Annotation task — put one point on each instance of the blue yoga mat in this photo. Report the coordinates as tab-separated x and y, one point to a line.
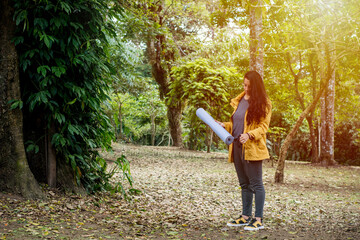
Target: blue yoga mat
219	130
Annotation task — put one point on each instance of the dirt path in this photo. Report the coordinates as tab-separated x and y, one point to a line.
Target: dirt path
191	195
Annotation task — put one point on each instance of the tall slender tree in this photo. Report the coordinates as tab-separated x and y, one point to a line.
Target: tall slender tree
327	123
256	42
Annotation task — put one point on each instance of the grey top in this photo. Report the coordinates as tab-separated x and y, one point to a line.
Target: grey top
239	117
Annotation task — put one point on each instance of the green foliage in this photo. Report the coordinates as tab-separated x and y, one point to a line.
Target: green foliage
120	173
295	35
16	104
227	11
275	136
128	59
201	86
347	143
134	116
122	169
32	146
65	75
224	49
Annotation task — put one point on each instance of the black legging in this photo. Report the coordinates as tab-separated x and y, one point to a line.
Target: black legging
250	178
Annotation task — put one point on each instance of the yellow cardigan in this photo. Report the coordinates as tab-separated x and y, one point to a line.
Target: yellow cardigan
255	148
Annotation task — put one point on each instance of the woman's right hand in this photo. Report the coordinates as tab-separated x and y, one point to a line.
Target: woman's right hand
220	123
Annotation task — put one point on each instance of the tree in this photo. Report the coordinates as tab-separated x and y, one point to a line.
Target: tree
279	174
327	123
160	56
256	42
142	116
153	107
299	97
65	75
327	48
131	75
164	26
199	85
249	15
288	41
15	174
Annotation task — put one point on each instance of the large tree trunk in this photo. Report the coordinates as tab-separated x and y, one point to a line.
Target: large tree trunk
327	124
256	42
174	114
15	174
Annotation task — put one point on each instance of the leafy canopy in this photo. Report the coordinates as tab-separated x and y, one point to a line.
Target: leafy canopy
65	75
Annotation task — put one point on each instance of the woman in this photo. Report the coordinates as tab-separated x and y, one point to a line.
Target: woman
249	124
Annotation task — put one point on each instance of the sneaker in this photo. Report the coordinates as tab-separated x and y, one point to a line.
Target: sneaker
254	225
241	221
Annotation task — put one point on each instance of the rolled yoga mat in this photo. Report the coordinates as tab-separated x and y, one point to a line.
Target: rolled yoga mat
219	130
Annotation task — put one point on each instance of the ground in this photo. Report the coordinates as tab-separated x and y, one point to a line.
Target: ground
191	195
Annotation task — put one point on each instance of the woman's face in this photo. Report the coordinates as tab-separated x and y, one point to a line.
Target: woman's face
246	86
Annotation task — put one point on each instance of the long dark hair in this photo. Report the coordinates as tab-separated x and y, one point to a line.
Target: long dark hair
258	102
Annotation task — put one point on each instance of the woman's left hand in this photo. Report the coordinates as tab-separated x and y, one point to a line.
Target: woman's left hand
243	138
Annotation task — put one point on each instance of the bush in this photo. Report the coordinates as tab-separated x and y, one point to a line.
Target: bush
347	143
